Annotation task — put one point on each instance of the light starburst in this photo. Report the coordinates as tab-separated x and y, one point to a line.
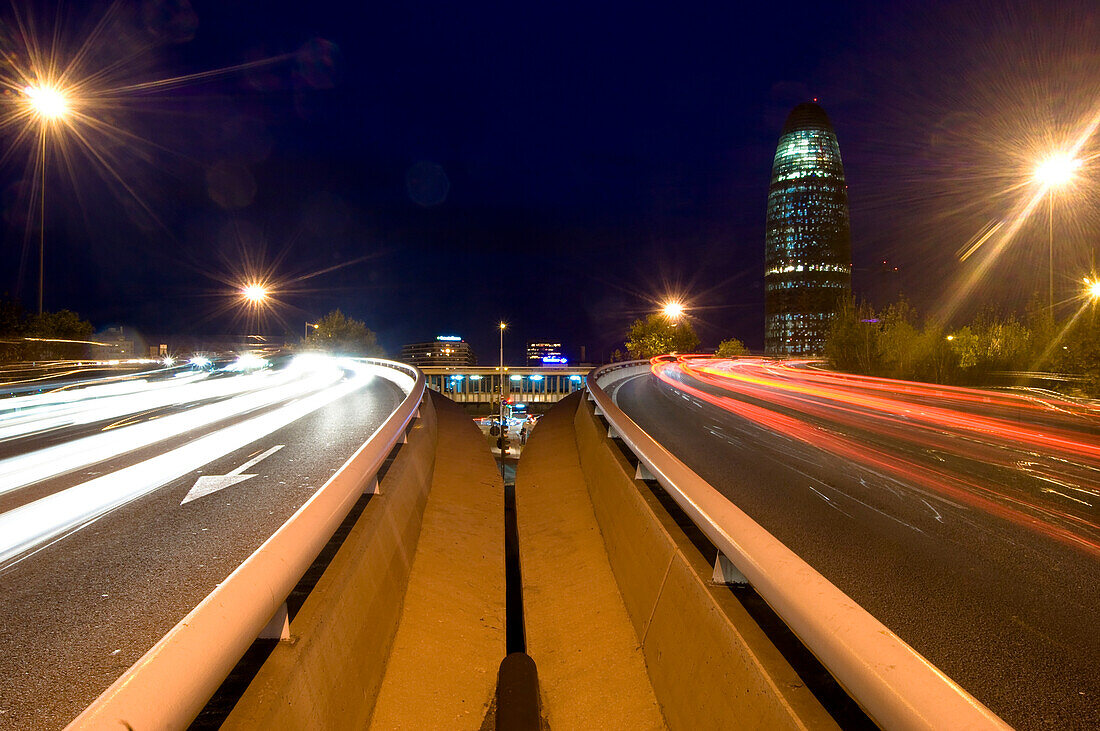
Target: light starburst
69	97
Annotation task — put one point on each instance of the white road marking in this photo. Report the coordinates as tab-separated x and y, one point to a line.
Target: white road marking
207	484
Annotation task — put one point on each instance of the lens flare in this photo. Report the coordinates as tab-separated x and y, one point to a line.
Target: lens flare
254	293
47	102
673	310
1057	170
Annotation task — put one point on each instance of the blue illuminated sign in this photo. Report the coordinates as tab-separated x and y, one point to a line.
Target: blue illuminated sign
560	359
449	338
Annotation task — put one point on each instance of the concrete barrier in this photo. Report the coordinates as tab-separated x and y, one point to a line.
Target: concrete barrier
710	664
329	673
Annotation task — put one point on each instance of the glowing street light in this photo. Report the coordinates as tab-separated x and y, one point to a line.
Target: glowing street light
1054	171
673	310
1057	170
254	294
47	102
1092	288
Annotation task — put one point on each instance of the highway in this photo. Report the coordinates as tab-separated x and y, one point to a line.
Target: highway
967	521
124	501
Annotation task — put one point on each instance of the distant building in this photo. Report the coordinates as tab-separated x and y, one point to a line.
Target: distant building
113	344
545	353
445	350
807	247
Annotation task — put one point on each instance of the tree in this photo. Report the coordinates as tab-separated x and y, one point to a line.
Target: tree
337	333
936	361
853	341
991	345
899	340
63	325
11	329
62	335
657	335
11	316
731	348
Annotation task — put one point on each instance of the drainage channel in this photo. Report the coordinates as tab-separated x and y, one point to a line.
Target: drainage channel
518	706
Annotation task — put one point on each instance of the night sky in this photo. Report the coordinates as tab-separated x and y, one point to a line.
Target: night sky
433	168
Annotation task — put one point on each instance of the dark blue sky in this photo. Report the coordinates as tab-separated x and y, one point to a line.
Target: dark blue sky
561	167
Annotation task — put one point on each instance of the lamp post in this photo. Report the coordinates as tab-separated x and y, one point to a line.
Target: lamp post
48	104
502	326
309	325
1055	171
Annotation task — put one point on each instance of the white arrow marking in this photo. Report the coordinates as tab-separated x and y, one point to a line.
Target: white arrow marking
212	483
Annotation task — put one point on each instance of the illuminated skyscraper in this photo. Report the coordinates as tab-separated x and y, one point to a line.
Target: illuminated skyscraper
808	247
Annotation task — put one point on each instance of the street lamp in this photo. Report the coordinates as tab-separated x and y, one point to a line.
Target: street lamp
1092	288
1055	171
47	104
673	310
502	326
254	294
309	325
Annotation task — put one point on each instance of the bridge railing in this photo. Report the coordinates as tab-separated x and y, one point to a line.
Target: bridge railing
172	682
896	686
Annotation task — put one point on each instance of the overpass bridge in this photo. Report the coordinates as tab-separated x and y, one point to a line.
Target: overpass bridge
536	388
609	585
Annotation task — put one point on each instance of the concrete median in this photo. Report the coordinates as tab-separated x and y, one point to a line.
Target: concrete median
709	663
329	673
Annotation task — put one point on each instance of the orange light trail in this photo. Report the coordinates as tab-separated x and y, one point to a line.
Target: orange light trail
815	403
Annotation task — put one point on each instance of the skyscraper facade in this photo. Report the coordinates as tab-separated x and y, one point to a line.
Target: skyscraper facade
807	247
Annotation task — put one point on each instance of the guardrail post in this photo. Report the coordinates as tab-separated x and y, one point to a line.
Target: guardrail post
612	432
643	473
726	573
372	487
279	626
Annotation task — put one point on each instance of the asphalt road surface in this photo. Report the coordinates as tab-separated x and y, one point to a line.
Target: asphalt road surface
110	565
967	522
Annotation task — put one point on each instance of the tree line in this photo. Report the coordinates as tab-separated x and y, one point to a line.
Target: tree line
992	349
658	334
40	336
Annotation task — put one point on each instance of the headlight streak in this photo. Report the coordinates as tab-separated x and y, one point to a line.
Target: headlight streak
112	401
26	527
90	391
23	470
834	399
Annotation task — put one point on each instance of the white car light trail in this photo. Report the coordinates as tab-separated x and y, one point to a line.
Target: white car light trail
17	472
31	525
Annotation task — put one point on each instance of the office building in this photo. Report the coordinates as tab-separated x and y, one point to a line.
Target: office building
445	350
545	353
807	249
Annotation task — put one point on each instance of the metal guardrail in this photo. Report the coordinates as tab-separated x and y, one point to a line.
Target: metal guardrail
896	686
171	683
